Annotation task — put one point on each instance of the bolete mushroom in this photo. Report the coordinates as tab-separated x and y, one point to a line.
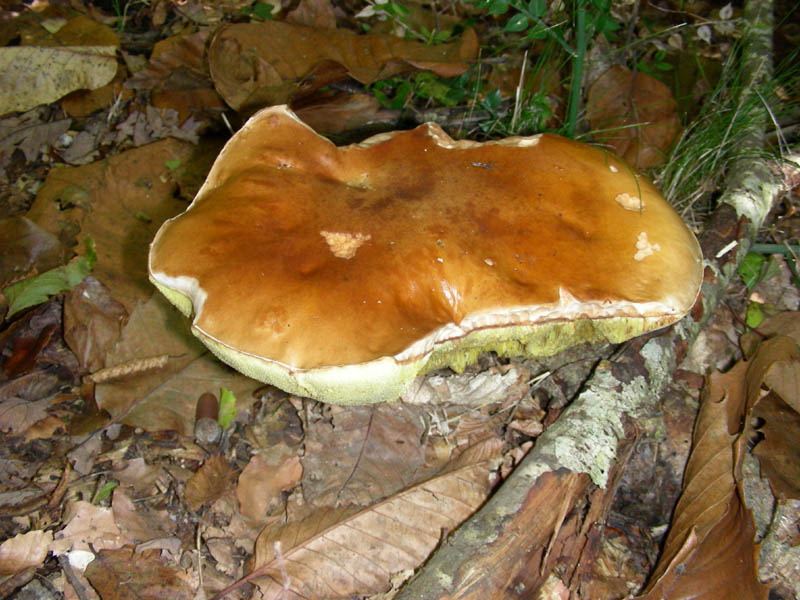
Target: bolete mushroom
342	273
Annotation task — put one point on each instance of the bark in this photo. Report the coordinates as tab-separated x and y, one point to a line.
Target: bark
564	485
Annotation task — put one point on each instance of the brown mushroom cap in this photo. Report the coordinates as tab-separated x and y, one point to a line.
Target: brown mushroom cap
342	273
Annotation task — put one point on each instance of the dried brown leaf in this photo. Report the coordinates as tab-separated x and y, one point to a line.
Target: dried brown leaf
175	64
261	483
33	135
258	64
87	524
31	76
93	322
783	378
81	31
344	552
721	563
778	350
178	77
635	114
17	415
137	476
313	13
776	366
125	574
210	482
165	398
27	248
140	523
119	202
362	453
44	428
343	112
785	323
24	550
779	452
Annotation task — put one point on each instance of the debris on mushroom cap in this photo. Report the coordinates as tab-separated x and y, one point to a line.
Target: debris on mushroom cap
343	273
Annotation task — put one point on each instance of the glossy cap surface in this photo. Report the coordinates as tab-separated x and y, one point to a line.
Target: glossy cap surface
300	259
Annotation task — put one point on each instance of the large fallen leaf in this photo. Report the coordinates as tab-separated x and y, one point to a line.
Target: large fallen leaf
165	398
709	552
348	552
785	323
635	114
77	31
30	76
119	202
343	112
258	64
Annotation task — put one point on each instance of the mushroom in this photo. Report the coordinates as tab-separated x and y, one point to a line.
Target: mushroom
342	273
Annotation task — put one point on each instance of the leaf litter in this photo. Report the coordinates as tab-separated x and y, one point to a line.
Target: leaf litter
329	502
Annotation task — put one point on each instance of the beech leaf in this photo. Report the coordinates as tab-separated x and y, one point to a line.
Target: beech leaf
349	551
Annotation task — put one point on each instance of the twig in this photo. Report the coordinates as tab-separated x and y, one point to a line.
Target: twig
76	583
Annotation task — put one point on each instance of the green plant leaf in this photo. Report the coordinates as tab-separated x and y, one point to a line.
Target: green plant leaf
518	22
754	315
498	7
537	8
104	492
260	10
493	98
750	269
40	288
227	408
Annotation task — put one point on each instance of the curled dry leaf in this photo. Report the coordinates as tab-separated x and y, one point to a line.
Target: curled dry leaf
258	64
347	552
635	114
